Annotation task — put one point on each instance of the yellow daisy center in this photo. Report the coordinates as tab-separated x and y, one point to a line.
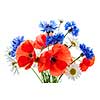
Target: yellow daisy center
73	43
73	71
13	63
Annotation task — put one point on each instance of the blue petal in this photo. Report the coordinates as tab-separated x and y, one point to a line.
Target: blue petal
48	27
87	51
72	25
15	43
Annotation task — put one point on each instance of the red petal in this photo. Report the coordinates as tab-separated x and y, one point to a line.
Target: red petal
36	45
40	41
27	46
92	61
20	52
23	61
56	48
44	61
29	65
42	67
61	65
88	62
58	68
62	53
83	67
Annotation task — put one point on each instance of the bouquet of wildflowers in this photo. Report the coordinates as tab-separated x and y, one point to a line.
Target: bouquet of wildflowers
49	56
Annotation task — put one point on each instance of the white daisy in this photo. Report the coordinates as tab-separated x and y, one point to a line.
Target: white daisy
73	71
73	42
12	62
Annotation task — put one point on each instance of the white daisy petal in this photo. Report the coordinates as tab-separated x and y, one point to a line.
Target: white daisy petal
74	41
73	72
11	62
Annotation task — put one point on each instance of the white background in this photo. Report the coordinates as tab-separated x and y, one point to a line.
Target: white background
21	17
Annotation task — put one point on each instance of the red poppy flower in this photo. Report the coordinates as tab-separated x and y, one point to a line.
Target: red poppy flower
86	63
83	67
40	41
25	54
56	60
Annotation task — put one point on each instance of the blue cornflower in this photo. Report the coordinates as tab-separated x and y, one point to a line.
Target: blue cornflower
87	51
48	27
57	38
71	27
15	43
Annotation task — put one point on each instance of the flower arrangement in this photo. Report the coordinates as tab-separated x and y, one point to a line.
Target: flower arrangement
49	56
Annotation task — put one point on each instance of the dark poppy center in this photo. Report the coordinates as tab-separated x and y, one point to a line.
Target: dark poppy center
30	55
53	59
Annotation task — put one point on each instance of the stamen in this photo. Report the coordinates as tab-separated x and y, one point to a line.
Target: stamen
73	43
30	55
53	59
73	71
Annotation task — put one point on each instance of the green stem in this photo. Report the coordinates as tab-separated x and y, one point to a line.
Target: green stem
54	79
72	63
48	47
60	22
36	75
60	77
59	26
46	77
42	76
70	46
66	34
76	59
